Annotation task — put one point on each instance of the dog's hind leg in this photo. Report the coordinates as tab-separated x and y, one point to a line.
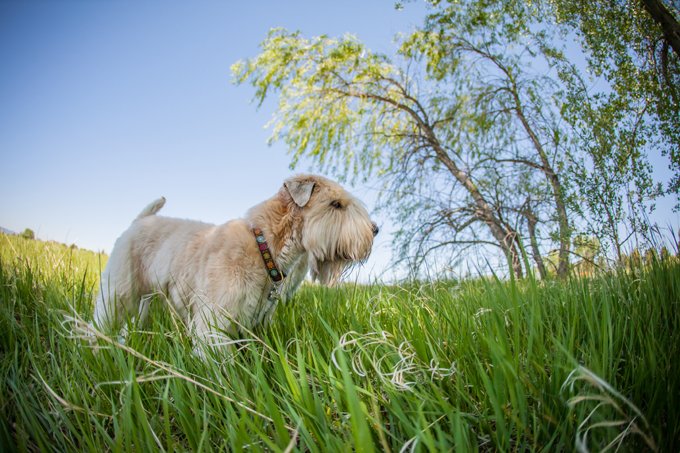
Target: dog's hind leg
118	296
109	309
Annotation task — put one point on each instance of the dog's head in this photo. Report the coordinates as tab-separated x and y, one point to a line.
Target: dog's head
336	230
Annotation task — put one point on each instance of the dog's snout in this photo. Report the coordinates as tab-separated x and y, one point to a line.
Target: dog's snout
375	229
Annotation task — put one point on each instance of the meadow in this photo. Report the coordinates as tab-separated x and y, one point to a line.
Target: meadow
587	364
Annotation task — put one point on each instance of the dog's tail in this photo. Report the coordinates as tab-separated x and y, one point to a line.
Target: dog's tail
152	208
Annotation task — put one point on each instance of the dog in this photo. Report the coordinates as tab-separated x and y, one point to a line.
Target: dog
222	280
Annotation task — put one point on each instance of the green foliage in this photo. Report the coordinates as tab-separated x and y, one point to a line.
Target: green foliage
622	44
333	94
435	142
474	365
626	45
601	136
483	116
28	234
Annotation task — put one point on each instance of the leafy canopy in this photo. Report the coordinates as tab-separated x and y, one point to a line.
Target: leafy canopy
333	95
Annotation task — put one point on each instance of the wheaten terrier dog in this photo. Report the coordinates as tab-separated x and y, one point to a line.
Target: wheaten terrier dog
224	279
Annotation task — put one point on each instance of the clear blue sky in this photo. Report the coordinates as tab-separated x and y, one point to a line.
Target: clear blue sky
106	105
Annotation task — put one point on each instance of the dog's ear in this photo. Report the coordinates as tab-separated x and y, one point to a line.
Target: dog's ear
300	190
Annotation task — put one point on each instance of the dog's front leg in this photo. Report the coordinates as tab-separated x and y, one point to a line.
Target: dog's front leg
212	329
110	306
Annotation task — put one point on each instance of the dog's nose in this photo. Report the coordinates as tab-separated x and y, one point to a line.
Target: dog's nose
375	229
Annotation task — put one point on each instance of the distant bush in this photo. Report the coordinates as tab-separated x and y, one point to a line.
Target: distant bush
28	234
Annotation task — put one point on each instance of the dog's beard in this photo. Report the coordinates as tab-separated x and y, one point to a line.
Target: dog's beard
329	272
335	244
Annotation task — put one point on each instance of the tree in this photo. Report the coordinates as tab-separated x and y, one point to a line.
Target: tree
611	169
28	234
480	130
611	130
339	103
635	46
667	21
586	248
354	111
508	100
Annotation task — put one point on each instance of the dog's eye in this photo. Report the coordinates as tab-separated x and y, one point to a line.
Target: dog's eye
336	204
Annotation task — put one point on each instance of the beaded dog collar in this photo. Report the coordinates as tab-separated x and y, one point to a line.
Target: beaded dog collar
274	273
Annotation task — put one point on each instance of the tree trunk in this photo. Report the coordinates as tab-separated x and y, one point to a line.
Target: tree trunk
536	252
667	22
546	168
554	181
505	236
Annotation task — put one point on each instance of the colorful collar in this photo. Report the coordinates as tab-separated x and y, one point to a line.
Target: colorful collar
274	273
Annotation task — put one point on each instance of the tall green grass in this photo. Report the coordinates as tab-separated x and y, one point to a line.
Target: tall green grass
478	365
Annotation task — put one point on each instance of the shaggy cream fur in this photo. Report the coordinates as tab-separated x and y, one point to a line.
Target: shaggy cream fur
213	275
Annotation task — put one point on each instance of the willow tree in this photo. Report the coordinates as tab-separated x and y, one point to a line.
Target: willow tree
480	129
594	137
450	147
355	113
510	101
